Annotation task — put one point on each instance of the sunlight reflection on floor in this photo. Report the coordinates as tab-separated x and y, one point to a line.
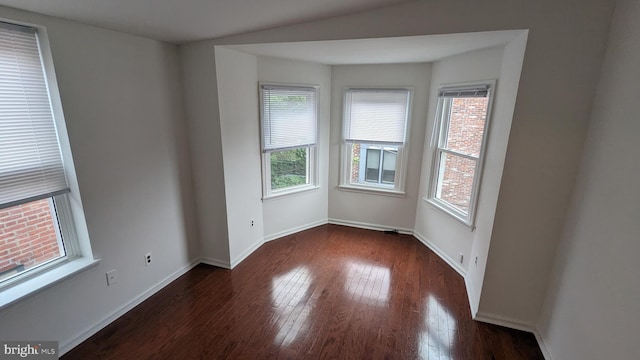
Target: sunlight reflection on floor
289	295
368	283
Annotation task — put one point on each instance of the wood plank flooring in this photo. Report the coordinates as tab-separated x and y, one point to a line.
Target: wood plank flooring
331	292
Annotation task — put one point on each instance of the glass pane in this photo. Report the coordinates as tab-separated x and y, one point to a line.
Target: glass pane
455	181
466	125
28	237
389	166
289	168
367	167
373	165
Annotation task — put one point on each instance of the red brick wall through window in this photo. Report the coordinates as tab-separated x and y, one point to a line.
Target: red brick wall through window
27	236
466	129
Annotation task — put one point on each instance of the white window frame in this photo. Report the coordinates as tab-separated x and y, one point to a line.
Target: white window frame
312	150
68	206
439	137
346	150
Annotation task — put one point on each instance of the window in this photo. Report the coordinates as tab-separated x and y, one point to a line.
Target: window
462	121
37	230
375	123
289	138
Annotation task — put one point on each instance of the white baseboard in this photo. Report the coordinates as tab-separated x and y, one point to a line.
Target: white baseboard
294	230
215	262
363	225
451	262
246	253
67	345
471	296
543	345
515	324
455	265
503	321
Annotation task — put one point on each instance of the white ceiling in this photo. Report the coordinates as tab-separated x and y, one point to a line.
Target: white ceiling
407	49
185	20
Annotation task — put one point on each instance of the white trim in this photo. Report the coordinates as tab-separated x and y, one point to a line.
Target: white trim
542	345
372	190
515	324
44	278
313	162
447	209
403	152
215	262
471	296
451	262
67	345
369	226
438	138
290	191
294	230
503	321
246	253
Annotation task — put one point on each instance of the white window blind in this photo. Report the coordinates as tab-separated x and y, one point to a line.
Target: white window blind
289	117
464	91
376	116
30	160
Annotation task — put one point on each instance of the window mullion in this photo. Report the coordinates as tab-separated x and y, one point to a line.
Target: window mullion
380	166
461	127
455	153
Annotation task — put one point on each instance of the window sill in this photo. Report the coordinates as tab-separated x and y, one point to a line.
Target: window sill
289	192
372	190
455	216
28	287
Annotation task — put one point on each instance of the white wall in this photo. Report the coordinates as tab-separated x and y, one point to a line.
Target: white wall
124	118
592	307
237	75
503	107
431	224
221	97
200	96
120	96
286	214
382	210
562	61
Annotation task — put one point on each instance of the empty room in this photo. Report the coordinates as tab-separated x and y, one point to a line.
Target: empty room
382	179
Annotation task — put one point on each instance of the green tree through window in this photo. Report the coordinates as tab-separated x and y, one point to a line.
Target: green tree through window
288	168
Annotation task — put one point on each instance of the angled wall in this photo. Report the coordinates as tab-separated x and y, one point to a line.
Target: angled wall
563	57
237	81
290	213
200	93
433	226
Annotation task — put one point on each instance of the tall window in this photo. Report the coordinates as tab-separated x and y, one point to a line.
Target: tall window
461	125
289	122
34	206
375	125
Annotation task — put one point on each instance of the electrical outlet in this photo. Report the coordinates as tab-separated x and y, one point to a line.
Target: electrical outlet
147	259
112	277
252	222
476	260
460	257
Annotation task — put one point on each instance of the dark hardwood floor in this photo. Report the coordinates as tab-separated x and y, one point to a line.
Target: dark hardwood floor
331	292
